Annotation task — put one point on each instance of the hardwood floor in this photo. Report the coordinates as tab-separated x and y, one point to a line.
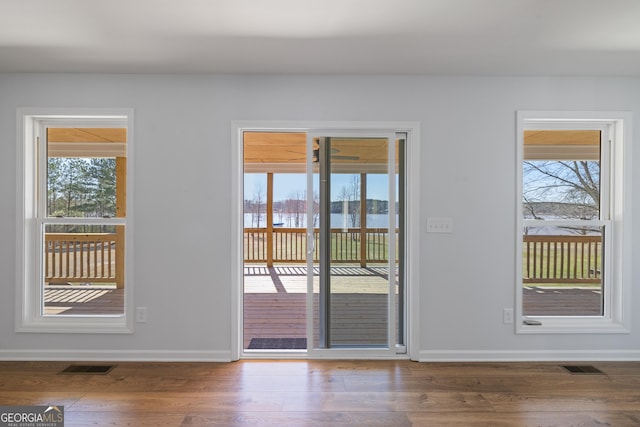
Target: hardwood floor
330	393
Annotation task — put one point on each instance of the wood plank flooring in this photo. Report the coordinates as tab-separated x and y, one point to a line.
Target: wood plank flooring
282	281
274	302
549	301
330	393
356	318
83	300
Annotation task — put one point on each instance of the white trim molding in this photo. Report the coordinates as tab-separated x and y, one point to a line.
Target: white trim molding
81	355
616	216
29	290
529	355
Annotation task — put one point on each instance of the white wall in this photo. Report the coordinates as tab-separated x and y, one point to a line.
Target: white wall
182	235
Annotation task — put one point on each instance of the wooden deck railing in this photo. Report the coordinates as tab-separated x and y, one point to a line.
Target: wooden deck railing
76	257
95	257
290	245
561	259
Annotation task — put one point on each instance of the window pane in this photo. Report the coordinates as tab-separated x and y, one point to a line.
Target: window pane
81	187
82	269
561	189
562	270
255	203
562	265
290	200
561	174
345	201
86	172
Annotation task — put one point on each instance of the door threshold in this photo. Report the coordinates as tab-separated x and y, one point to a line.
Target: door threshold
274	354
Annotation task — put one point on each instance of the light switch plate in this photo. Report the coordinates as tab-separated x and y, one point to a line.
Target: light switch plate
440	225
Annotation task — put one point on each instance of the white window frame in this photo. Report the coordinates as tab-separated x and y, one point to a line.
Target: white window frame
615	217
30	217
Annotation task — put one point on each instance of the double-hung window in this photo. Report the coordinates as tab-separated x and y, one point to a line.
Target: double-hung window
73	221
573	254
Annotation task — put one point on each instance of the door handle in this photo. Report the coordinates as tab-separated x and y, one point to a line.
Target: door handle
311	243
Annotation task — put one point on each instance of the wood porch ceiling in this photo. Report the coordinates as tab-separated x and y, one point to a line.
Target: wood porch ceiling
87	142
286	152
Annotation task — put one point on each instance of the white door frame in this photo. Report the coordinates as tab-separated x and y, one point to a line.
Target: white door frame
412	228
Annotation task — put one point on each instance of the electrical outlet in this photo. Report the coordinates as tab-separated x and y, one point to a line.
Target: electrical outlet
141	314
507	316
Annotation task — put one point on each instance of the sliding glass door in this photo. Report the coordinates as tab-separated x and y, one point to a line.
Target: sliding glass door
323	243
354	295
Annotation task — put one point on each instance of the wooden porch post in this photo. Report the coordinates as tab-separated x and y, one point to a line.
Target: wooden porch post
270	219
121	212
363	220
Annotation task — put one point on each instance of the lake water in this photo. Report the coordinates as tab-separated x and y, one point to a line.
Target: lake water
337	220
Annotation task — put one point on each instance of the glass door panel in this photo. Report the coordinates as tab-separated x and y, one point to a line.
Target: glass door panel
275	244
354	291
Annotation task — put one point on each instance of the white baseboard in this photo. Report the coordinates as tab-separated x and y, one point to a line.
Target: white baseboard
527	355
116	355
225	356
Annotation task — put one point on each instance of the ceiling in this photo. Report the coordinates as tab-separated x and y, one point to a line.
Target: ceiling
452	37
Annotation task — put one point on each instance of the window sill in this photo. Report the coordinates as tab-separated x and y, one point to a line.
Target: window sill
76	325
572	325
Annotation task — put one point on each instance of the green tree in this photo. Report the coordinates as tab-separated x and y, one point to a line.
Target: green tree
102	184
81	187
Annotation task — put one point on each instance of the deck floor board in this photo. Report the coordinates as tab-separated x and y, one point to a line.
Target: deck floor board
274	303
